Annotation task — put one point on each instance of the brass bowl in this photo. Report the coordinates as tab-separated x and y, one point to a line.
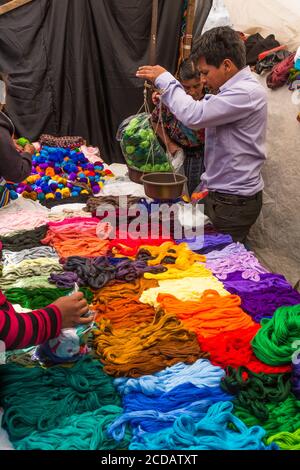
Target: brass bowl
164	186
135	175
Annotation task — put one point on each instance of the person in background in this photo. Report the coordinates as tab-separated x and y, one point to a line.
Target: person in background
177	136
15	162
235	122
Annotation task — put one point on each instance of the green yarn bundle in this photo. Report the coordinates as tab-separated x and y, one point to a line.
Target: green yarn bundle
282	417
256	390
22	141
273	343
31	282
286	440
40	298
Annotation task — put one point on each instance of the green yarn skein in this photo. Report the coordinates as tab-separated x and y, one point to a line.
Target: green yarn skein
286	440
274	343
22	141
40	298
255	391
282	417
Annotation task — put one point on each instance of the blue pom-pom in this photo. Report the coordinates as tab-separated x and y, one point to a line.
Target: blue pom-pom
45	188
13	195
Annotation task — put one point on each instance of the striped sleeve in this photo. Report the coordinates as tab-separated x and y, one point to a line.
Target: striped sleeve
22	330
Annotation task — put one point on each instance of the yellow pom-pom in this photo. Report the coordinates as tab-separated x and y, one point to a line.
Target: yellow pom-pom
50	196
26	194
32	179
62	180
65	192
84	191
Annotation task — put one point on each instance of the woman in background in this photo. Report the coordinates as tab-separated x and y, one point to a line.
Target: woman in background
175	135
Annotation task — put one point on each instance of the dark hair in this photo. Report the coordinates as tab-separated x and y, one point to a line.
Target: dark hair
219	44
187	70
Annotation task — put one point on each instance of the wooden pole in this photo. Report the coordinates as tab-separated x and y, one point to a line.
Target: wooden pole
188	37
153	41
12	5
153	48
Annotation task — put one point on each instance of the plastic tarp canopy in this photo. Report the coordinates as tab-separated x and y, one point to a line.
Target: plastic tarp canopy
281	17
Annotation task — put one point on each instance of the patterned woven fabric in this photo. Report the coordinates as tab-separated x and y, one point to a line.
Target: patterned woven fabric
64	141
4	193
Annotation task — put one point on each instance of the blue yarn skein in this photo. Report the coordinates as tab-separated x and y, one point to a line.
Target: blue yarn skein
219	429
153	402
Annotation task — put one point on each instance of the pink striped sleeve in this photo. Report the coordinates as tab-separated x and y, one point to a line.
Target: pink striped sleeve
21	330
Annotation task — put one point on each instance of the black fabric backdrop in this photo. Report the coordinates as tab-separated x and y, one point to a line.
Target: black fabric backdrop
72	64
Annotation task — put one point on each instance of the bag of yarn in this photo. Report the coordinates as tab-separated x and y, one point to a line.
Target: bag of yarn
140	146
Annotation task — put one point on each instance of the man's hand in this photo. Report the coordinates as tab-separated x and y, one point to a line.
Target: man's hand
149	72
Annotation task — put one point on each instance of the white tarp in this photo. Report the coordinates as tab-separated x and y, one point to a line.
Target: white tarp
276	236
281	17
218	16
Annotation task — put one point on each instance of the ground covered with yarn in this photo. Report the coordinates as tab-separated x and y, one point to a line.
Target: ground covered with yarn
194	346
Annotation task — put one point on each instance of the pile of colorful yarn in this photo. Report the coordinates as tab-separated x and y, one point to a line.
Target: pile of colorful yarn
59	173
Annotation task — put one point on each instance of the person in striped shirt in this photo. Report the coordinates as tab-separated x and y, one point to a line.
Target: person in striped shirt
22	330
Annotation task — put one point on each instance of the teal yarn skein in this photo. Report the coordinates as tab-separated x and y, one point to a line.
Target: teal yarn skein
86	431
219	429
38	399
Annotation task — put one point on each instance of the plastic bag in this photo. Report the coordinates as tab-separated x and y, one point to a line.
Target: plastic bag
140	146
177	162
69	346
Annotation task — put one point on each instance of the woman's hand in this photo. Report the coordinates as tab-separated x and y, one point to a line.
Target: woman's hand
156	98
29	149
18	147
173	148
149	72
72	308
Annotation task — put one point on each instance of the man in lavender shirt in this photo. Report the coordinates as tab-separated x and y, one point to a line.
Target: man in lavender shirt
235	118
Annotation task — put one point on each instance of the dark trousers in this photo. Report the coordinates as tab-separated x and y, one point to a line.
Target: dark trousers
193	166
232	214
